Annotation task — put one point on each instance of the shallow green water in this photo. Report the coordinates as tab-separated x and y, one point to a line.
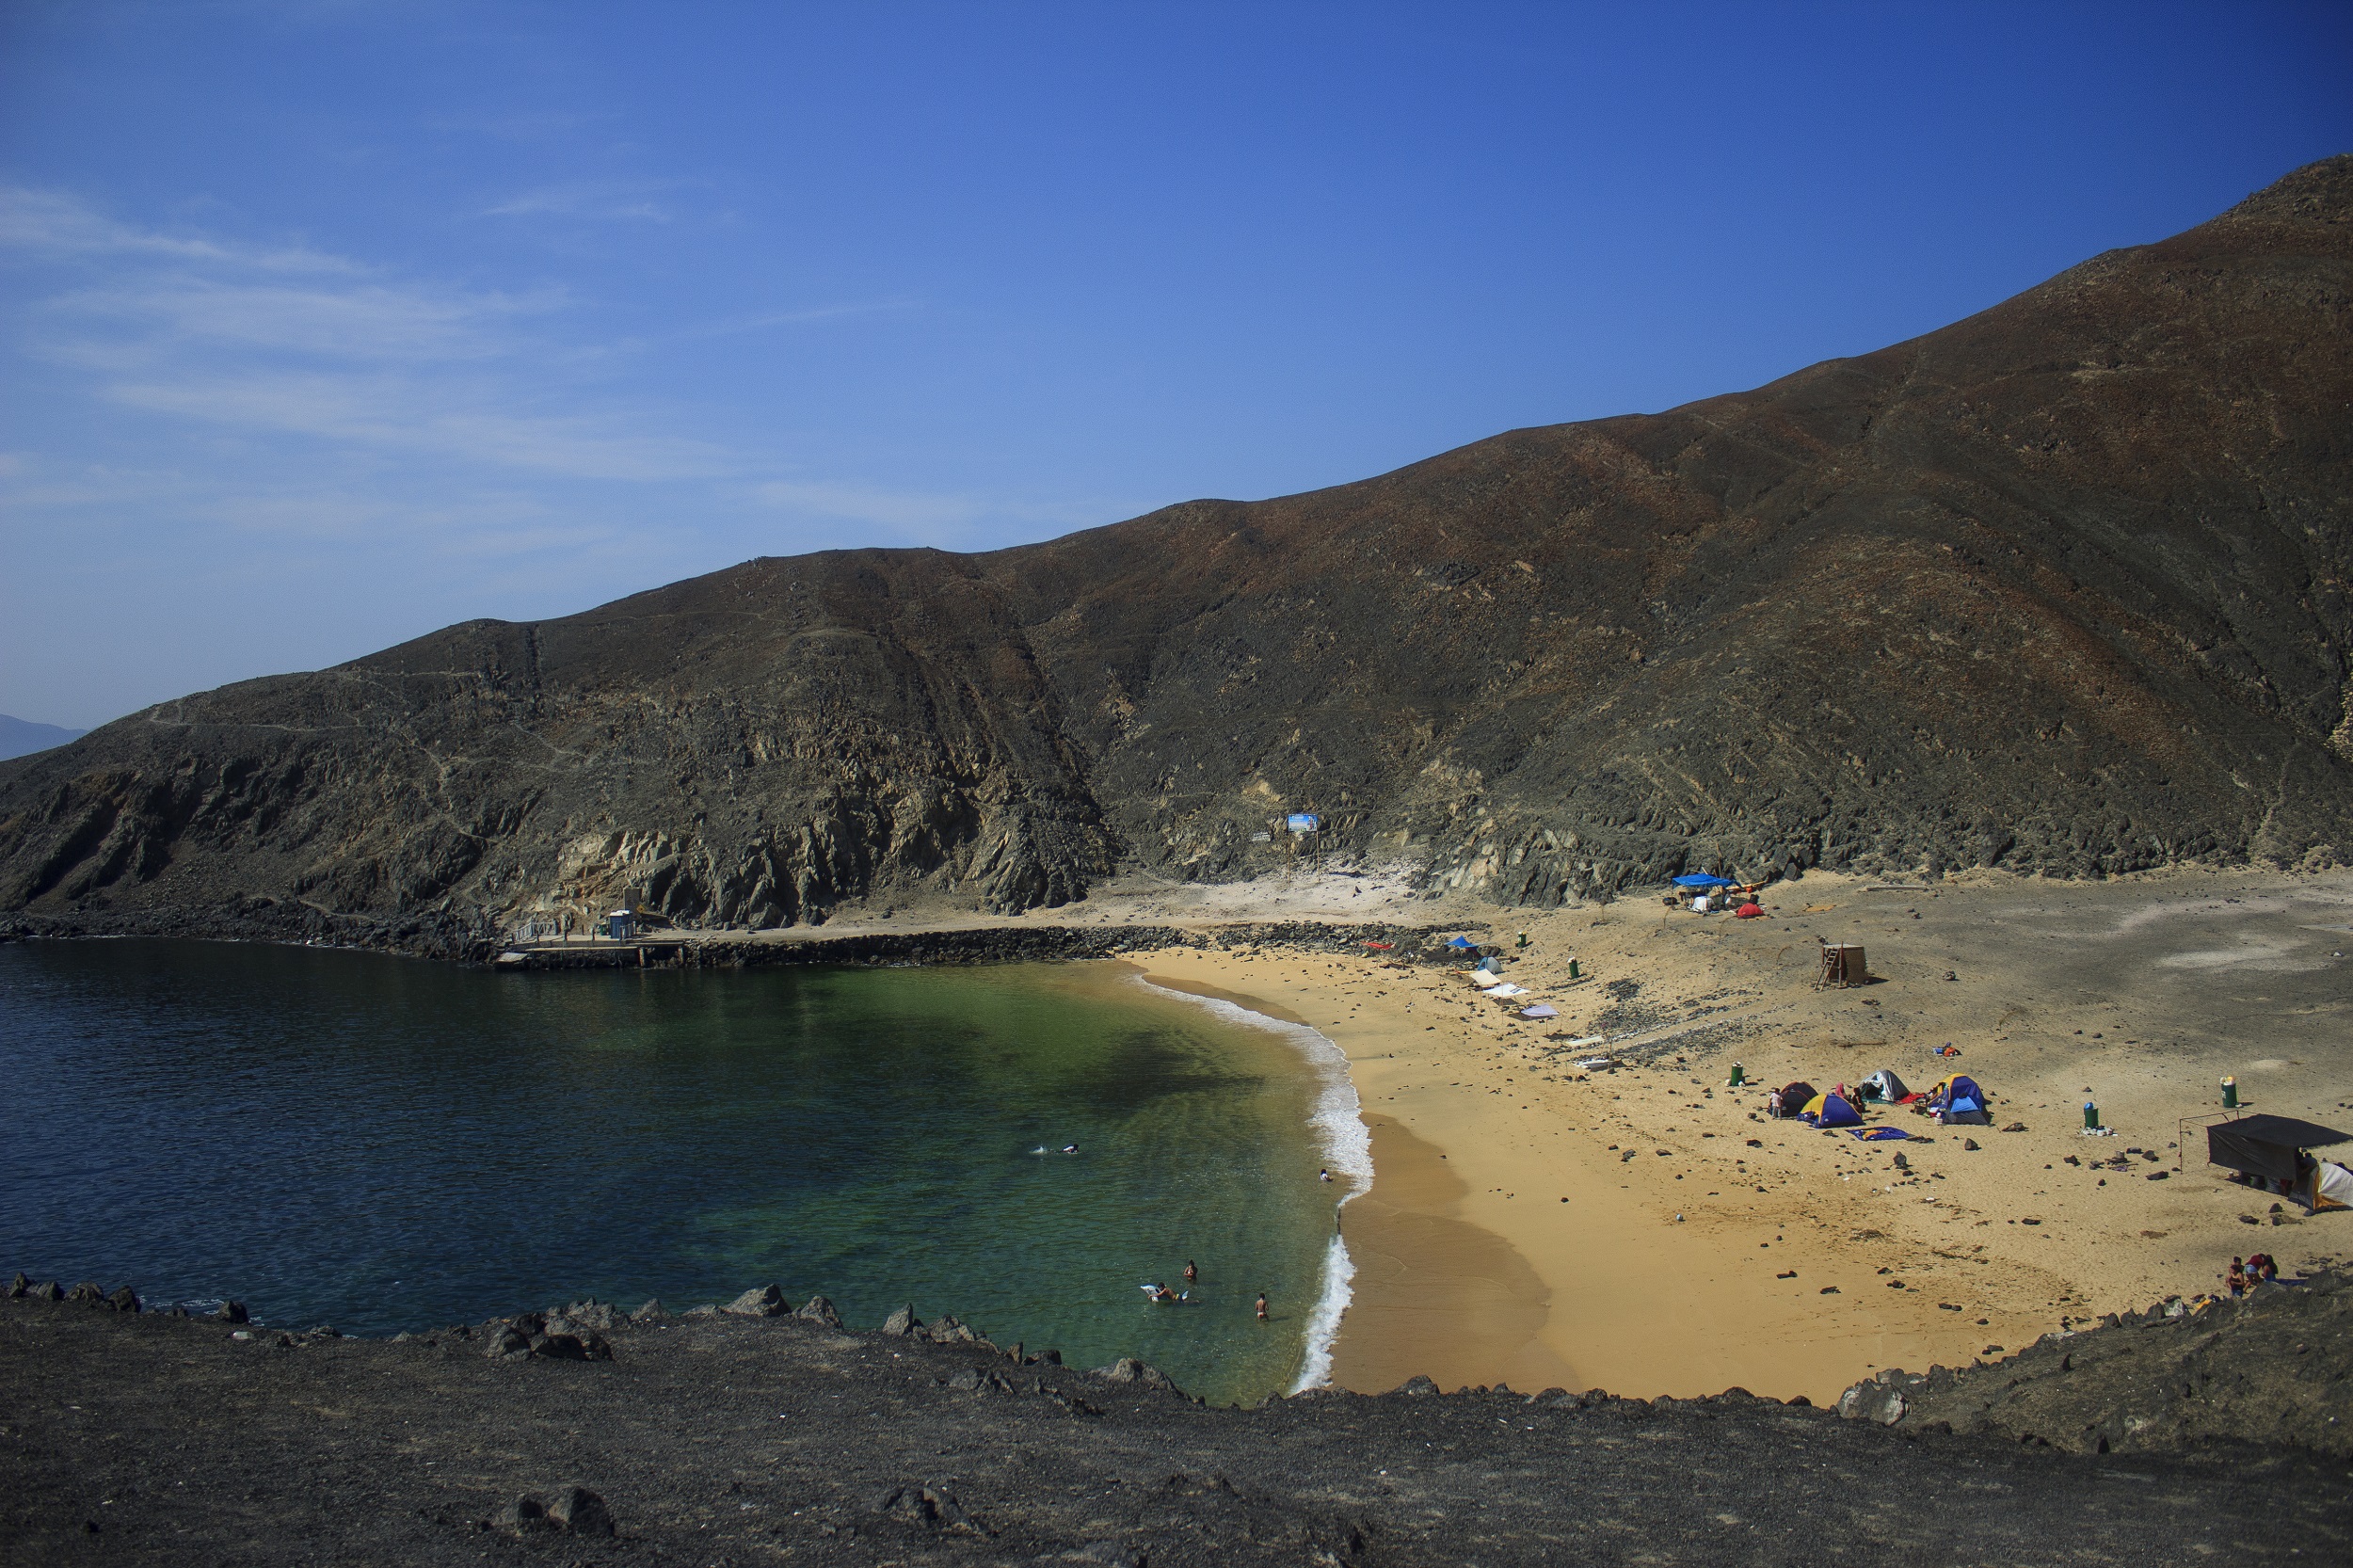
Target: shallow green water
383	1143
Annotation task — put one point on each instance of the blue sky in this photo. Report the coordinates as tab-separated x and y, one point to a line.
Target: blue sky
327	323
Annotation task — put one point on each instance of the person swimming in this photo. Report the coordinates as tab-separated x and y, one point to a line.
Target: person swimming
1262	1306
1070	1148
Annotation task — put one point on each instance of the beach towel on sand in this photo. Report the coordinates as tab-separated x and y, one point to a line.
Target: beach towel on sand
1880	1135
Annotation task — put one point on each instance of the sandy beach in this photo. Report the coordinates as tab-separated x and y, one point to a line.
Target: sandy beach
1645	1229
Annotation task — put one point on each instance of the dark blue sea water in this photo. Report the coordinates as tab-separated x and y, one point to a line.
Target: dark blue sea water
383	1143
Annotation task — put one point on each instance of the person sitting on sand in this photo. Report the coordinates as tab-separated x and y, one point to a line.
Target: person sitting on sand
1262	1306
2237	1277
2262	1269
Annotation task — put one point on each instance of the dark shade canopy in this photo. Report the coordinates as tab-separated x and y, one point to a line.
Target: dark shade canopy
2266	1145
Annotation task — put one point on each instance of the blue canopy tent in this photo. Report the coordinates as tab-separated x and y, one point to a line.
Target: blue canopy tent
1460	942
1703	879
1959	1099
1832	1109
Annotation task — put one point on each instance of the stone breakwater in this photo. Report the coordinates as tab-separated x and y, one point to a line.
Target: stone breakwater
980	945
751	1430
270	920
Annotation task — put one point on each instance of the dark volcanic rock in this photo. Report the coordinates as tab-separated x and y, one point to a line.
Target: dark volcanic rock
727	1441
2061	588
2275	1367
765	1301
580	1510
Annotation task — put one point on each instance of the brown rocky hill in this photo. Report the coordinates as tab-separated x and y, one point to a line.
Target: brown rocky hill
2063	587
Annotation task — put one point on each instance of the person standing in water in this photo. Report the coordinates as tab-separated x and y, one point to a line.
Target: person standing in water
1192	1275
1262	1306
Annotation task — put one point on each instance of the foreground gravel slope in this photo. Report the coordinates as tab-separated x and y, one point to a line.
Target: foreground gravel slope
716	1440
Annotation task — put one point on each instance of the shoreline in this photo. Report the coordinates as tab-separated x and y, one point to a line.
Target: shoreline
1797	1263
1339	1118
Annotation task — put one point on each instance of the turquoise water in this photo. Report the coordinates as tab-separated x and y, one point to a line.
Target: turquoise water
382	1143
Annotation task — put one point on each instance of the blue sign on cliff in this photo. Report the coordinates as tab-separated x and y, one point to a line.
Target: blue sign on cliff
1305	822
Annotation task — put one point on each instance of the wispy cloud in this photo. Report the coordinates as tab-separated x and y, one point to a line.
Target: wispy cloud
360	321
593	201
48	222
477	424
215	332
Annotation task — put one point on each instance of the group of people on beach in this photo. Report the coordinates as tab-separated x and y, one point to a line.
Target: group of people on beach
1168	1295
2246	1274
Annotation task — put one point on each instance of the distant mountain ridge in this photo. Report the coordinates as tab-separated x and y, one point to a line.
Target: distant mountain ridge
21	736
2061	588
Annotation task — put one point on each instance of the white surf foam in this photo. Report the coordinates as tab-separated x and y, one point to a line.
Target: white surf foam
1339	1120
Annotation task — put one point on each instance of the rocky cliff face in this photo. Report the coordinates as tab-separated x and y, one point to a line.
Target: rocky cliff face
2061	588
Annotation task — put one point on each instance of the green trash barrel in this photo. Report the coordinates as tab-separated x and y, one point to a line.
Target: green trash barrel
2092	1117
1737	1079
2230	1094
